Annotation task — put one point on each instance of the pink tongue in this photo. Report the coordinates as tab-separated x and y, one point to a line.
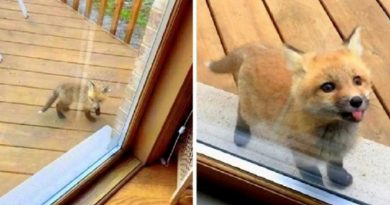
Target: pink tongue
358	115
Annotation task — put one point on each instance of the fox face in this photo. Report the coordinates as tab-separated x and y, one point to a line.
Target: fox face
96	96
334	84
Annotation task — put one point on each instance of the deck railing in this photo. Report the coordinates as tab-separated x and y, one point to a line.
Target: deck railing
116	15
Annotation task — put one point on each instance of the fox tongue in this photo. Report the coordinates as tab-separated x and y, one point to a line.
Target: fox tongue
358	115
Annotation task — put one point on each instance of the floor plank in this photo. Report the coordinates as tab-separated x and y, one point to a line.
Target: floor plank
10	180
376	36
40	137
243	22
71	56
66	69
210	48
38	97
28	115
40	9
56	30
47	19
152	185
66	43
25	161
50	82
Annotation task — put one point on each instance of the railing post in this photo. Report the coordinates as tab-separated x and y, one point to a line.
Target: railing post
76	4
88	8
102	10
134	16
116	16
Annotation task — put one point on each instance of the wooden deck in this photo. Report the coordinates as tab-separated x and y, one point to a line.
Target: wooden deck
54	45
307	25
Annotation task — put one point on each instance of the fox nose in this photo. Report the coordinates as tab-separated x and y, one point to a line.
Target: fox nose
356	101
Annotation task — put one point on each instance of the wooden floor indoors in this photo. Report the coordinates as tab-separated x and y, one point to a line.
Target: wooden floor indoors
154	184
55	44
306	25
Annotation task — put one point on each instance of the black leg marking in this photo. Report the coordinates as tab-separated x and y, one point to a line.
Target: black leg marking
338	175
242	132
89	116
308	169
59	110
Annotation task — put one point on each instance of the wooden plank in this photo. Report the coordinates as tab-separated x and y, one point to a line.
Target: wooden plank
28	115
25	161
66	69
43	29
210	48
49	20
117	176
40	137
56	3
385	4
116	16
40	9
156	179
66	43
133	20
71	56
376	36
38	97
45	81
102	9
10	180
242	22
315	36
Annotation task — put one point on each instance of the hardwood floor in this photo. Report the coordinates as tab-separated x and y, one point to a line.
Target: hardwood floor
152	185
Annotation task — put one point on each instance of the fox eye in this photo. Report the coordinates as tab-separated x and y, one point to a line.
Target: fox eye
357	80
328	87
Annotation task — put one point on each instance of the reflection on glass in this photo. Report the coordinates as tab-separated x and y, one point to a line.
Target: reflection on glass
297	113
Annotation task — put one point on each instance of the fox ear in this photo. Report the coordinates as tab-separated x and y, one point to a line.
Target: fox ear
293	58
354	43
106	89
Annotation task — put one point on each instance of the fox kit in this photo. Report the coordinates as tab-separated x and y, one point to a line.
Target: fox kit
89	95
310	102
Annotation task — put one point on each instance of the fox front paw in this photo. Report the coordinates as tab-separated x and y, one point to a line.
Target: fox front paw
339	176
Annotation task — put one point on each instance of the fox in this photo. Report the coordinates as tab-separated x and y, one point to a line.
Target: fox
91	96
311	102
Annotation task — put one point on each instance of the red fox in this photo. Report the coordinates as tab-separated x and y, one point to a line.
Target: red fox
311	102
89	95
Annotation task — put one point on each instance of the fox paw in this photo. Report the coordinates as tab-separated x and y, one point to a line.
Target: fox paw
311	174
339	176
61	115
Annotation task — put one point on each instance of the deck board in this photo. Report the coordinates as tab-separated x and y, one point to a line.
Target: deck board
48	81
210	48
66	69
10	180
64	43
54	45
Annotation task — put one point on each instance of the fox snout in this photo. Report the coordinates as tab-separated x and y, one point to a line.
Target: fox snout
352	108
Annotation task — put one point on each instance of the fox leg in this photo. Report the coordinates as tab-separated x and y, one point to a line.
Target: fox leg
337	174
59	107
308	169
88	115
242	132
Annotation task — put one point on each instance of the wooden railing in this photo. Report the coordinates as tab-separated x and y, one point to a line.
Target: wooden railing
116	16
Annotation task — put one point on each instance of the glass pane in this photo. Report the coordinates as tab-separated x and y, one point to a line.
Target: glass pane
310	115
67	85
